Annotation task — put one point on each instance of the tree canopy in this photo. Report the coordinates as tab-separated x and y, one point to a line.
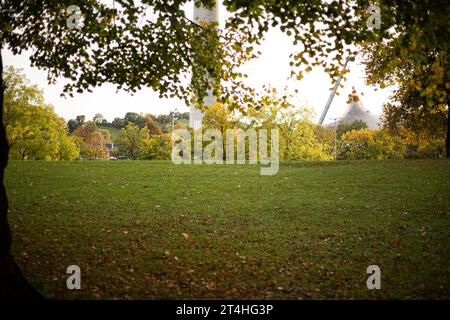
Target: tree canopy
34	130
413	55
152	43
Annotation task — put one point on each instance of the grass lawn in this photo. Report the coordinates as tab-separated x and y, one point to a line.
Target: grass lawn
151	229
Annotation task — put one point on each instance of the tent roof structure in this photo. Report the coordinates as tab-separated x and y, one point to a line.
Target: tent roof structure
356	111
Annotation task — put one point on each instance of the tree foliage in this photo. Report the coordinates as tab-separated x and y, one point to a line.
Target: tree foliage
346	127
91	141
33	129
218	116
99	119
412	53
298	135
138	143
134	118
74	124
371	144
152	125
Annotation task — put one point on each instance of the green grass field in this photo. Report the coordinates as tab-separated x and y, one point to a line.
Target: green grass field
149	229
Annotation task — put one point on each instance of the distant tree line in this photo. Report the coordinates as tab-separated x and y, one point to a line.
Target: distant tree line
356	141
140	136
156	124
35	131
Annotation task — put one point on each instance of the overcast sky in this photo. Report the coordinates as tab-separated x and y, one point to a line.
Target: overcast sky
271	68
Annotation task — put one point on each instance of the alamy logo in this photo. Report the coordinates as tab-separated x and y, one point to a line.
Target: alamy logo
213	152
74	280
374	281
374	21
74	19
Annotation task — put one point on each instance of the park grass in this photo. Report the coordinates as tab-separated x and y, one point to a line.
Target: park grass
154	230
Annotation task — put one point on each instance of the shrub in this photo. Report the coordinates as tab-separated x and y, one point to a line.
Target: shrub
371	144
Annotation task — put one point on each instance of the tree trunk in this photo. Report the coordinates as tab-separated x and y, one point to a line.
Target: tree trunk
447	140
13	284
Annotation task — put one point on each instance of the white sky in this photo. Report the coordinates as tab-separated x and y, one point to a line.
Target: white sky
272	68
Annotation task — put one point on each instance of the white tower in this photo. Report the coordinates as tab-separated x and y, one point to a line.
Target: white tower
203	15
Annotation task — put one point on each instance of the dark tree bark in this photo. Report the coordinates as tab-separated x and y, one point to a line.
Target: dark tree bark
447	139
13	284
